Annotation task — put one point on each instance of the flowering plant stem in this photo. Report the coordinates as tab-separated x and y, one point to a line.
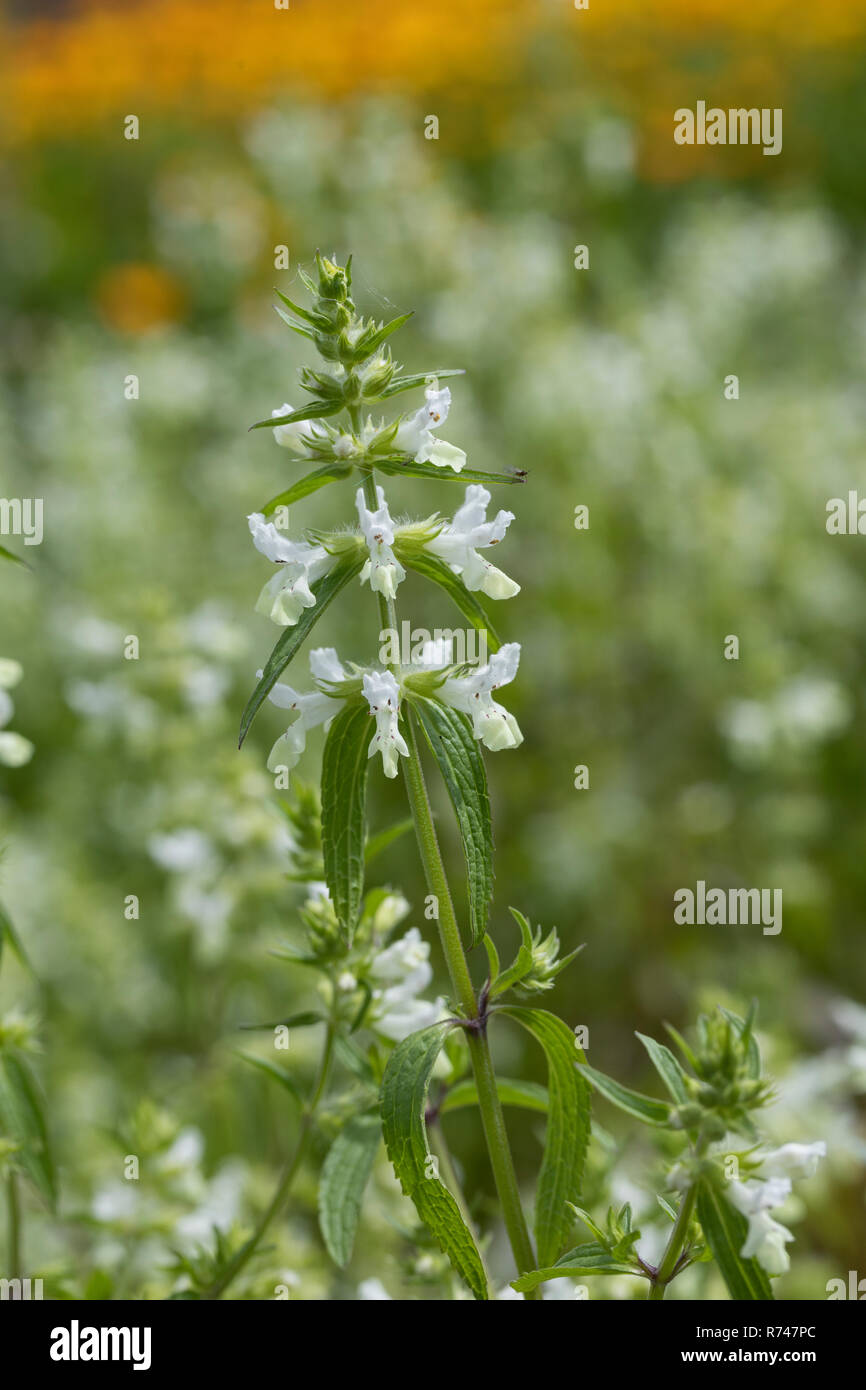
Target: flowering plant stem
674	1248
489	1104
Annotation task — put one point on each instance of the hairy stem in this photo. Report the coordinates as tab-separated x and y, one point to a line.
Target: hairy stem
490	1106
247	1250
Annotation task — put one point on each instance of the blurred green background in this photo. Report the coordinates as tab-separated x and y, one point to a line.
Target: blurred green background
155	258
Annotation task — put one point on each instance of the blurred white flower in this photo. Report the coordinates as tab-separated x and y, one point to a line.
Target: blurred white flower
183	850
793	1160
401	972
15	749
373	1291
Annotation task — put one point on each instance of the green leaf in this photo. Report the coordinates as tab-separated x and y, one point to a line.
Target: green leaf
667	1067
525	1094
435	569
744	1030
344	810
311	482
583	1260
406	383
23	1121
302	1020
652	1112
345	1174
378	843
568	1125
367	346
402	464
449	734
314	410
11	556
8	933
404	1101
725	1230
324	590
276	1073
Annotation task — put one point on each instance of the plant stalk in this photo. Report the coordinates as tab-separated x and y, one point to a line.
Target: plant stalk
489	1104
674	1247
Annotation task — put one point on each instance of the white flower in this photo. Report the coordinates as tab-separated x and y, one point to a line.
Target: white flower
460	539
383	569
404	970
309	710
284	597
294	436
15	749
373	1291
766	1238
383	696
473	694
183	850
415	436
794	1160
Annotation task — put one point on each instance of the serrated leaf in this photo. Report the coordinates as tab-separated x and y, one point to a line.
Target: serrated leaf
324	591
404	1101
313	410
667	1067
344	810
372	344
23	1121
652	1112
568	1126
467	603
412	379
345	1174
275	1072
583	1260
725	1230
449	735
399	464
527	1095
311	482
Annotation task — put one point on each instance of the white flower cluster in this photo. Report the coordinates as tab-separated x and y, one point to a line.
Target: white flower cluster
770	1188
457	542
492	725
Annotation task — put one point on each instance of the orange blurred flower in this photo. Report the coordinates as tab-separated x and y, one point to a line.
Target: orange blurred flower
137	298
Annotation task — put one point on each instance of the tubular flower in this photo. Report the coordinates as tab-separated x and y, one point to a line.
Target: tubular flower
766	1238
793	1160
284	597
383	569
297	436
383	696
415	434
308	710
473	694
399	974
460	539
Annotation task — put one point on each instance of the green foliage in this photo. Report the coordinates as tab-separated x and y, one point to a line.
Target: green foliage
345	1174
725	1231
344	808
568	1125
449	736
404	1099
